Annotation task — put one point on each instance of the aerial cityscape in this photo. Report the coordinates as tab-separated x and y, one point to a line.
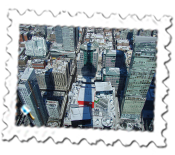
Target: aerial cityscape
86	77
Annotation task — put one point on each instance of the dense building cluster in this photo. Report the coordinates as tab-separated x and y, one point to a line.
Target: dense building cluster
86	77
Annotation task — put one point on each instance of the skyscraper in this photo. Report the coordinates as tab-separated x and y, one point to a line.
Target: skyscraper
30	95
58	34
36	47
141	72
59	75
68	36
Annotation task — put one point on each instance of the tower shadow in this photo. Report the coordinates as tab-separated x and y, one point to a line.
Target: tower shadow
88	73
120	63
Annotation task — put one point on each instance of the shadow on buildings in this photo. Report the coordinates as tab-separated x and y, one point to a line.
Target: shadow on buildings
19	115
88	72
29	36
48	43
120	63
148	109
130	38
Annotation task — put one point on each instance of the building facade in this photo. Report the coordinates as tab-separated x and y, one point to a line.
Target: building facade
44	78
58	34
80	62
49	31
36	47
112	75
109	58
141	72
59	74
53	110
68	36
30	95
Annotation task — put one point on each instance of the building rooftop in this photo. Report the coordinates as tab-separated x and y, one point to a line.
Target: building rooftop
122	40
42	71
123	47
37	61
23	57
36	47
21	49
50	27
100	36
56	47
52	93
27	73
104	111
86	93
52	104
57	66
111	53
139	39
103	86
93	46
111	71
80	113
61	52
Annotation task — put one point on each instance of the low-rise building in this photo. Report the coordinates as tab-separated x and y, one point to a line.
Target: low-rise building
38	64
109	58
22	60
99	108
53	109
58	97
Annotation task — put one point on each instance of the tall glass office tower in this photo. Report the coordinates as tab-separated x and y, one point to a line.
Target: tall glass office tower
30	95
68	36
141	72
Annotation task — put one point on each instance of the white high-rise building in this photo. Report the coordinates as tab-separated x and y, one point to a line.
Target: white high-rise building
36	47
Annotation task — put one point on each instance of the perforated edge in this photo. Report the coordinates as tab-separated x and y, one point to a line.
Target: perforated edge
169	82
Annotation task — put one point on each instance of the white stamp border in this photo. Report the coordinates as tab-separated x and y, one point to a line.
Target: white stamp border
109	137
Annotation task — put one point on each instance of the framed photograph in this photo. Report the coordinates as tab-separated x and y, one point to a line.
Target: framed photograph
87	73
